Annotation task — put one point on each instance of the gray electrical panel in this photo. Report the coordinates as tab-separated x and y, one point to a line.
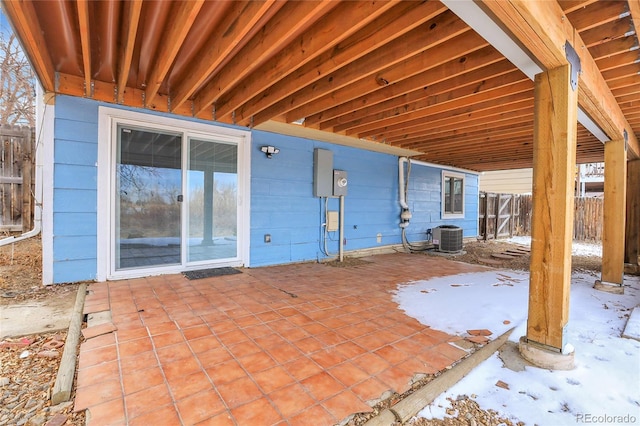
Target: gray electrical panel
339	183
322	173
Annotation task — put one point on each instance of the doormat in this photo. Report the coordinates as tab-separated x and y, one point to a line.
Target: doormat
207	273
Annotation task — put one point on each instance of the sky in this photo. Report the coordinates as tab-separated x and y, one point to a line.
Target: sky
604	386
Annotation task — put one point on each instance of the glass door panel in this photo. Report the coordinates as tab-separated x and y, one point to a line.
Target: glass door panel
212	194
148	190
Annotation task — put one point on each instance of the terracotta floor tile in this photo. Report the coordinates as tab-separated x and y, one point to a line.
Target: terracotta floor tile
371	342
167	339
284	353
137	380
370	390
314	416
291	400
108	413
257	330
98	373
269	341
435	359
244	348
226	372
222	419
181	368
258	412
204	344
345	404
165	415
214	357
450	351
415	365
437	334
425	339
409	346
308	345
97	356
269	316
322	386
239	392
350	350
302	368
233	337
182	387
371	363
328	358
396	379
392	355
272	379
133	347
162	327
348	374
146	400
99	342
131	334
199	407
173	353
294	334
256	362
87	396
330	338
138	362
198	331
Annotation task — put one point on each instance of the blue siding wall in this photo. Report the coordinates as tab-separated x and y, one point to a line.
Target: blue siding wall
282	201
75	190
283	206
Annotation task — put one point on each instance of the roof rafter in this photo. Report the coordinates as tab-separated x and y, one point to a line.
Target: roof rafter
543	29
25	23
126	54
171	43
85	42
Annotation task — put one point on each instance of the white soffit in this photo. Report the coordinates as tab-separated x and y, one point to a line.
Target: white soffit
474	16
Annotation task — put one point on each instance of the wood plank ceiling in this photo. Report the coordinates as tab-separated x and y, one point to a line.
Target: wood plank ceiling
405	73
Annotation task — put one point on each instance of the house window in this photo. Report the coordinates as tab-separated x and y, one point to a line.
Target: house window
452	195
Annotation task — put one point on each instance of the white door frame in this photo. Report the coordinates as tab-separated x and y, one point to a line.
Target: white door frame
108	119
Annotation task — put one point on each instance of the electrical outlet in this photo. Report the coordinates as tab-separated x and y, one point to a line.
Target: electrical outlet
267	238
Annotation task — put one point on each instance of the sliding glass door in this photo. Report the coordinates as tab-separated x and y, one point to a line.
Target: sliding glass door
212	191
147	193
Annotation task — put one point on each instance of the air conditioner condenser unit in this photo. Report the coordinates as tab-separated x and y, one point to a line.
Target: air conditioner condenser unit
447	238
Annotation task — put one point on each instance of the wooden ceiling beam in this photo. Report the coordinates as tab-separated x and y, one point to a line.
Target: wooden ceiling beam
403	18
442	121
625	71
605	33
130	30
616	61
445	91
403	91
25	23
461	45
172	41
446	106
614	47
543	29
238	22
501	118
292	18
85	42
322	36
597	14
440	29
569	6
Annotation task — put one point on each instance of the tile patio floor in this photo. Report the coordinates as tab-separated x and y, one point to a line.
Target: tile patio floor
285	345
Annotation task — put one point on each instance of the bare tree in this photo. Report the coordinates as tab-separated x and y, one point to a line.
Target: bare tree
17	84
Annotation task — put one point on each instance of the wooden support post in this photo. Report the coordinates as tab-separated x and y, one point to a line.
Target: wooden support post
554	159
632	236
615	176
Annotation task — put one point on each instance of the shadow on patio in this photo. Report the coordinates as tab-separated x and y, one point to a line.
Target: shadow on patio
284	345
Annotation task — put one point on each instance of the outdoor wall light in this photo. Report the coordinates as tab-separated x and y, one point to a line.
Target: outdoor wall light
269	150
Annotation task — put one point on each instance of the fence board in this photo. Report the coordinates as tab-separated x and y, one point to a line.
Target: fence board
16	178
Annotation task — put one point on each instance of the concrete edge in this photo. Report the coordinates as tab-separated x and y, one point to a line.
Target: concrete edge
66	372
411	405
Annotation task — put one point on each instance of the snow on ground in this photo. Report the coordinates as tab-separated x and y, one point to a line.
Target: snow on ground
604	387
579	248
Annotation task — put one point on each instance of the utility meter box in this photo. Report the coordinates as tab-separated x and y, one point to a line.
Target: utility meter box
322	169
339	183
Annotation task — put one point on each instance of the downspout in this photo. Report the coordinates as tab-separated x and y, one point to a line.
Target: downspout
405	216
37	196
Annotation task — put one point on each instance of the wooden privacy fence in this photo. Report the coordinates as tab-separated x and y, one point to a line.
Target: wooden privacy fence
16	178
505	215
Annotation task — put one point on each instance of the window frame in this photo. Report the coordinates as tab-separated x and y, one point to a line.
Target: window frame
452	214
